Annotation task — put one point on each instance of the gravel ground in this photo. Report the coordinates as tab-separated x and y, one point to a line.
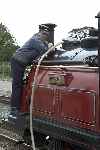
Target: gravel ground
6	144
5	88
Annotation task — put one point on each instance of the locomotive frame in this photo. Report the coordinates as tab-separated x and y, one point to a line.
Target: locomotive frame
66	104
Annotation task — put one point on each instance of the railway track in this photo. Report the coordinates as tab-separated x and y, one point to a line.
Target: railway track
10	138
5	99
8	143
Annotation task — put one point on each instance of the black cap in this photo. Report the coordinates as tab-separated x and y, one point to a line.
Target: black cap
98	15
47	27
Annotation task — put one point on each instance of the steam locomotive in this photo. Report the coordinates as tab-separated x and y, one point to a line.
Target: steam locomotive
66	104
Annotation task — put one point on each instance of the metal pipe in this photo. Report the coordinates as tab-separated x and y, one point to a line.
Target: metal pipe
98	16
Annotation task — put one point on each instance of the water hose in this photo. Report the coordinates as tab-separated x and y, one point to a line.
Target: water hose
33	89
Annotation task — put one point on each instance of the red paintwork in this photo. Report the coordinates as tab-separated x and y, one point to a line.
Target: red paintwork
76	102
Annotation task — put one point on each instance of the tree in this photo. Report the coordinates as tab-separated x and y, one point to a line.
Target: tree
8	43
75	36
80	33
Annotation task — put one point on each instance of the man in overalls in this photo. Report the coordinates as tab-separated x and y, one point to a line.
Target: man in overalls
31	50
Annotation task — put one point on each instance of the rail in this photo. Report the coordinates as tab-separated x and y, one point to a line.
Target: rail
8	143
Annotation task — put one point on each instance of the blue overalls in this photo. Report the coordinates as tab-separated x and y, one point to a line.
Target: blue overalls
24	56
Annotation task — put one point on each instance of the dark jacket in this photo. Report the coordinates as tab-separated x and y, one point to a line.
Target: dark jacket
31	50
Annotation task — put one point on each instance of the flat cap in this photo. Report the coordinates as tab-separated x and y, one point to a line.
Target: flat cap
47	27
98	15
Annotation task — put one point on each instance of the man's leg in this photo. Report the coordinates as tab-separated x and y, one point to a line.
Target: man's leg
17	71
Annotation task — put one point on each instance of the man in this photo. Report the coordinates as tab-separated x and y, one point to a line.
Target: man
31	50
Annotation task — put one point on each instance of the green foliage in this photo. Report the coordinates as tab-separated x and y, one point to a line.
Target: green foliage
7	43
5	70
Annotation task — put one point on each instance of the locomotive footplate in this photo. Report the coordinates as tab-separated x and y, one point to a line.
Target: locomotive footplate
73	135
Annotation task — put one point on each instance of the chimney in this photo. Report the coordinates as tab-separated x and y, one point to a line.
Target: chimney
98	16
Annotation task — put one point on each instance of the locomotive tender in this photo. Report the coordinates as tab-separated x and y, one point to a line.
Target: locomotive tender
66	105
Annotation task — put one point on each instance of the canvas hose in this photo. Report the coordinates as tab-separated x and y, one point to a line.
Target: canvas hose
33	89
